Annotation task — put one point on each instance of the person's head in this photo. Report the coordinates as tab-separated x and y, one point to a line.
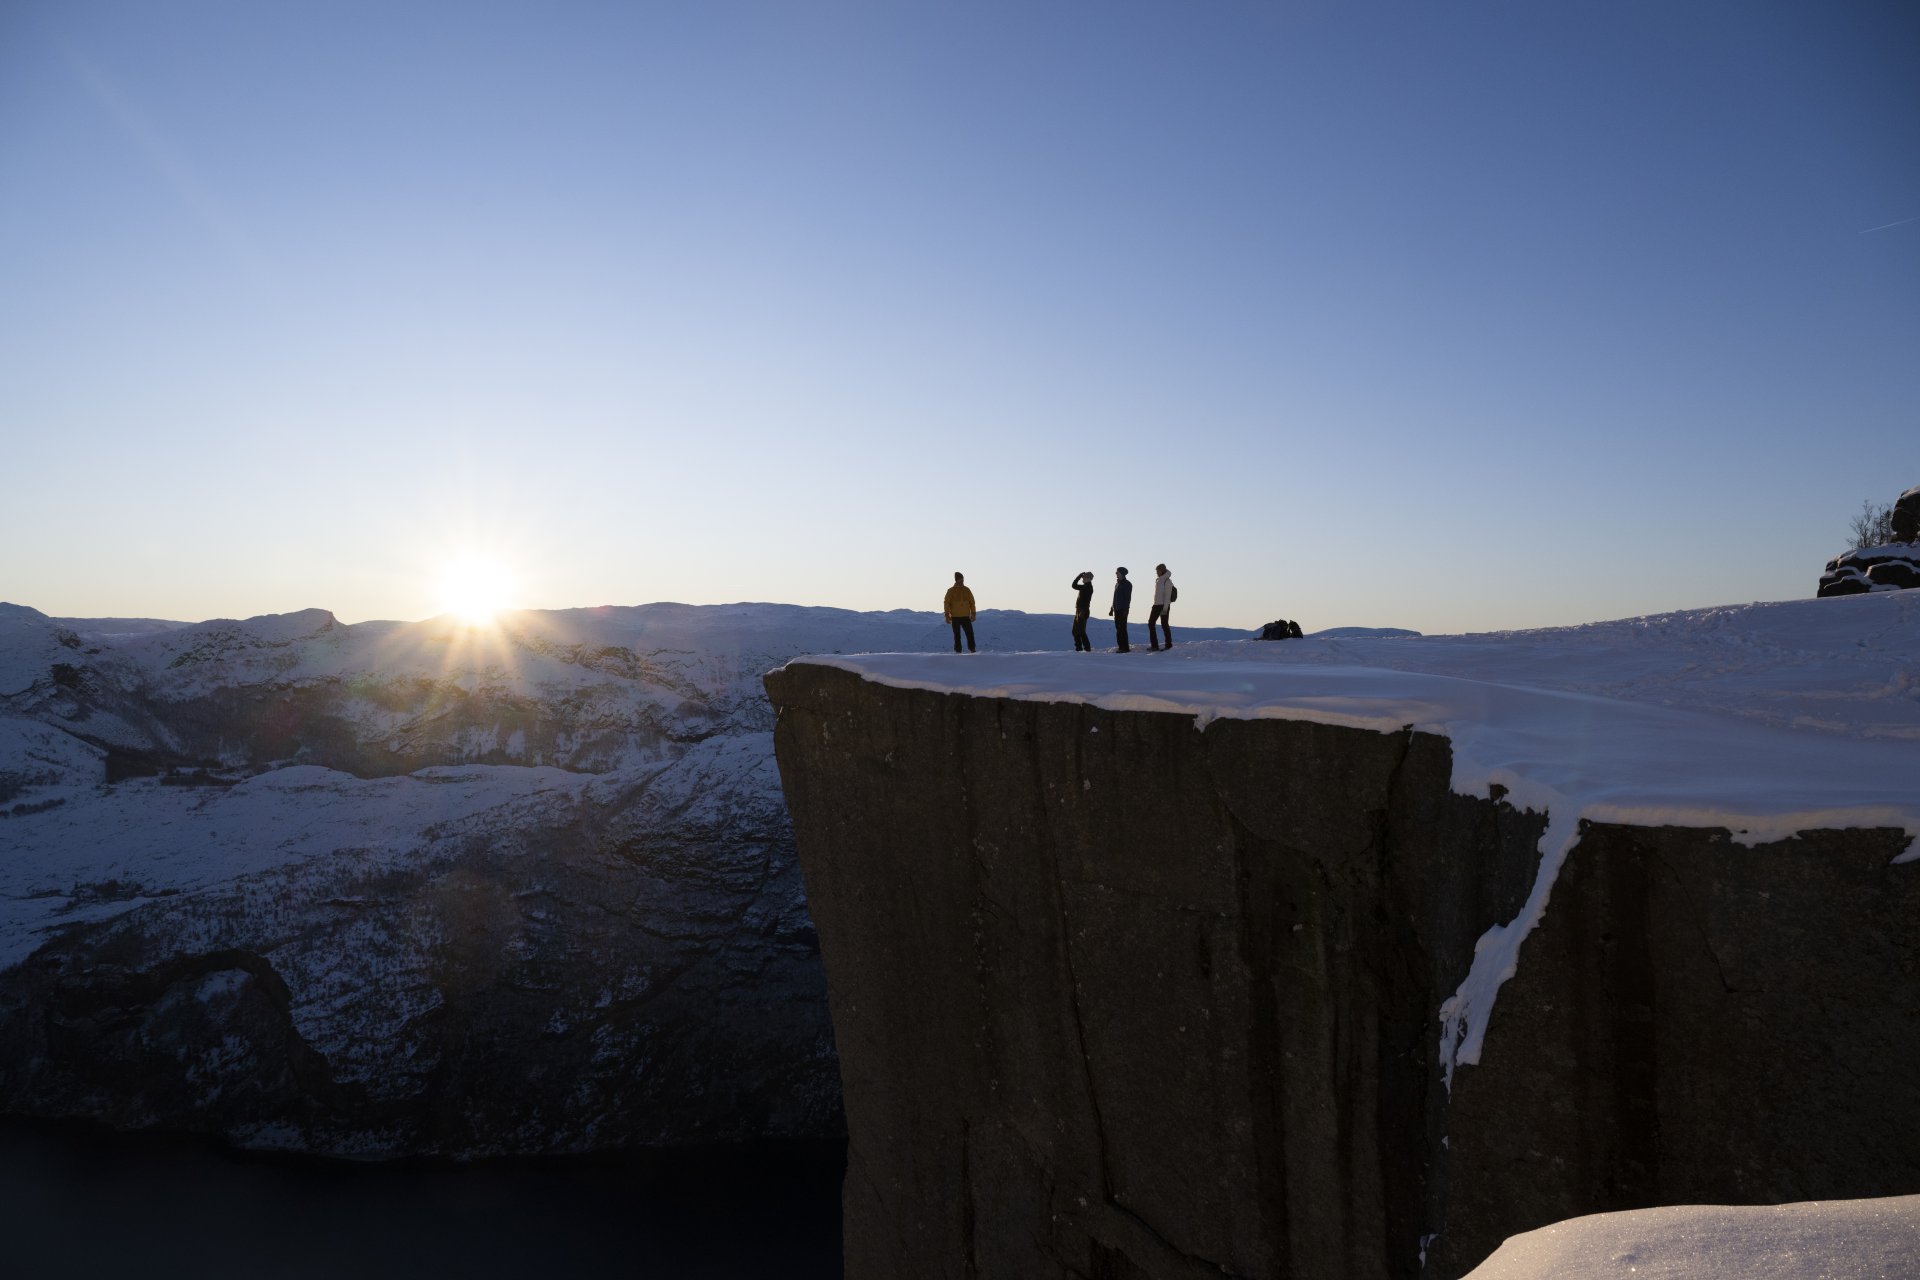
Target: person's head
1160	569
958	577
1121	572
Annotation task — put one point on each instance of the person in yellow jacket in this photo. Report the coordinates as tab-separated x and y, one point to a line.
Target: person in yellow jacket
958	610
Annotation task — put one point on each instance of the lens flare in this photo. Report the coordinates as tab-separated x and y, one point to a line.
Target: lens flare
476	589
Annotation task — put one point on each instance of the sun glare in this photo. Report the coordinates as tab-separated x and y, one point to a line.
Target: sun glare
475	589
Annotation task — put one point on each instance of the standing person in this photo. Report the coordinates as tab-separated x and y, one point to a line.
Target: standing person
1163	597
958	610
1122	601
1082	606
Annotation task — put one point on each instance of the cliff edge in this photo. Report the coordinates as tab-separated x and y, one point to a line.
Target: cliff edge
1263	967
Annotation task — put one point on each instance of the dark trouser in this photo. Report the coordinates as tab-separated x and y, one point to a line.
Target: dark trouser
1160	614
1080	640
959	625
1120	630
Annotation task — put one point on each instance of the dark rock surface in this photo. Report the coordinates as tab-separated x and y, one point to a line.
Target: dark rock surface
1894	567
1845	583
1697	1022
1906	516
1901	574
1117	996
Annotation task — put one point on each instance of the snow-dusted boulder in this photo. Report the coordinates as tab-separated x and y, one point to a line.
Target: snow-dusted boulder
1894	566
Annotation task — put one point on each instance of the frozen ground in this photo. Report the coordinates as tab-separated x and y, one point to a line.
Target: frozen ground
1823	1240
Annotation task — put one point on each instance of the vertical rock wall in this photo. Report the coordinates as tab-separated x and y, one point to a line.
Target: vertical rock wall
1117	996
1697	1022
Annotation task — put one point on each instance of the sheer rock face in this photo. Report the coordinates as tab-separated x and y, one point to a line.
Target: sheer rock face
1697	1022
1117	996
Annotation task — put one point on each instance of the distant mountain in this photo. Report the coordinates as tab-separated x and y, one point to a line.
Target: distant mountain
1353	633
117	628
395	888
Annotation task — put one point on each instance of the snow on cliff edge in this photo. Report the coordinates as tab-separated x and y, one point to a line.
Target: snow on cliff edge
1764	719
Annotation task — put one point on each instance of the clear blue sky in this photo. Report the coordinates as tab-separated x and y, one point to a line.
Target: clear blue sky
1448	315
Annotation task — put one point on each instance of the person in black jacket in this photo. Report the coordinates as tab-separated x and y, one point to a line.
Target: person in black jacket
1082	606
1122	601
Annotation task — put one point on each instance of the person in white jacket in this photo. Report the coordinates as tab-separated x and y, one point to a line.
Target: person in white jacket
1163	597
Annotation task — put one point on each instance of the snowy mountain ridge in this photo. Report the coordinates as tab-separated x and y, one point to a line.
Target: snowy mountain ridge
417	887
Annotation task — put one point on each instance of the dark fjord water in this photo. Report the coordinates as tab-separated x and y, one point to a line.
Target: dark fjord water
81	1204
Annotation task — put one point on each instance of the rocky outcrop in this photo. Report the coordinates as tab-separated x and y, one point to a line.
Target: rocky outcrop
1894	566
1906	516
1119	995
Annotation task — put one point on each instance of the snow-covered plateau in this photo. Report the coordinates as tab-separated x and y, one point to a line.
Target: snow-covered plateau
1764	719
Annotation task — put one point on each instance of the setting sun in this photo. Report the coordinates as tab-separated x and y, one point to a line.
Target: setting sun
475	589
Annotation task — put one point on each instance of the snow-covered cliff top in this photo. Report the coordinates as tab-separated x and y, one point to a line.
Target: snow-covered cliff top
1763	718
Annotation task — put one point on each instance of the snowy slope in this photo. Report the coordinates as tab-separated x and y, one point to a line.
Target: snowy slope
120	847
1819	1240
